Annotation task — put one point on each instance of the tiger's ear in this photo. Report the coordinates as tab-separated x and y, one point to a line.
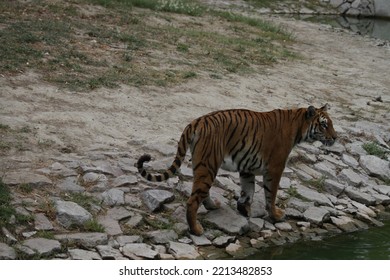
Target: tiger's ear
311	112
325	108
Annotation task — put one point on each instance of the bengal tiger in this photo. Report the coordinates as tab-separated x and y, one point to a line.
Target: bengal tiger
252	143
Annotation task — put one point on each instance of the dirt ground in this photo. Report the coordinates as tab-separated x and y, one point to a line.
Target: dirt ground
337	67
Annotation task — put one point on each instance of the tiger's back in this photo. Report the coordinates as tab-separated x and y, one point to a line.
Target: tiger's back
245	141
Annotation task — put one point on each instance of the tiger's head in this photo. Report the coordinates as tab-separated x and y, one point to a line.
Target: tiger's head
320	125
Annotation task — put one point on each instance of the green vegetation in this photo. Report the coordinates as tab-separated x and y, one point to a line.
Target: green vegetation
6	209
93	226
374	149
318	183
87	44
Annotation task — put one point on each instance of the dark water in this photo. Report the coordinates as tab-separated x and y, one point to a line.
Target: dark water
378	28
372	244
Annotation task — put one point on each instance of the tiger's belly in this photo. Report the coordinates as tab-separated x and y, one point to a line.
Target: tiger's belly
242	165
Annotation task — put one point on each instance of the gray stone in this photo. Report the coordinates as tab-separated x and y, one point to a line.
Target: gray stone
200	240
142	250
299	204
350	177
224	240
80	254
326	168
361	197
228	220
124	180
41	222
70	213
256	224
109	253
125	239
383	189
70	184
334	159
333	187
113	197
308	170
363	208
356	148
43	246
365	218
344	223
183	251
316	215
285	183
162	236
94	178
134	221
312	195
26	177
119	213
336	148
154	199
293	213
9	237
375	166
110	225
349	160
283	226
7	252
227	184
84	239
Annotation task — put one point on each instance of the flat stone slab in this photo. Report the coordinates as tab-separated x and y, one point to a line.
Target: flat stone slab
70	213
139	250
312	195
113	197
26	177
43	246
85	239
375	166
80	254
41	222
162	236
154	199
227	220
183	251
359	196
7	252
316	215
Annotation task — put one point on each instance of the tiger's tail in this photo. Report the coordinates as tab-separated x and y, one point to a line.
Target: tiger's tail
170	171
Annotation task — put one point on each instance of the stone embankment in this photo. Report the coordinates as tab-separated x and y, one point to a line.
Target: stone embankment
96	206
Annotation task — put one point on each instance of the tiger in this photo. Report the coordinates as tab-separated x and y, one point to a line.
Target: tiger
244	141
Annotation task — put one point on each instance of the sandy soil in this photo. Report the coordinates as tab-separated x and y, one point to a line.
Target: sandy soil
337	67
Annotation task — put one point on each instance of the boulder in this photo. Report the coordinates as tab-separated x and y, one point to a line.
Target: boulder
70	213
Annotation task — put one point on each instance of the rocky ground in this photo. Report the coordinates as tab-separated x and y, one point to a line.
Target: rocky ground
81	197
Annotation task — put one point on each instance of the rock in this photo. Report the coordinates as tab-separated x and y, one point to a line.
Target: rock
70	213
200	240
356	148
41	222
134	221
344	223
125	239
361	197
43	246
183	251
326	168
110	225
365	218
228	220
375	166
363	208
351	161
333	187
227	184
233	248
293	213
316	215
285	183
26	177
9	237
308	170
94	178
7	252
383	189
162	236
312	195
256	224
124	180
350	177
70	184
222	241
109	253
336	148
84	239
119	213
155	198
303	224
299	204
283	226
113	197
142	250
80	254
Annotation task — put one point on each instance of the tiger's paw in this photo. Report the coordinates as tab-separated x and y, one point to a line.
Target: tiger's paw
244	206
197	230
278	214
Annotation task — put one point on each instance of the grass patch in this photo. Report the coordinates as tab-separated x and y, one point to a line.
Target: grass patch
83	45
374	149
93	226
6	209
318	183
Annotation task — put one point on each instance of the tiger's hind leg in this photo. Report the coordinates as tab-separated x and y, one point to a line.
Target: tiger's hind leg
271	185
203	180
247	181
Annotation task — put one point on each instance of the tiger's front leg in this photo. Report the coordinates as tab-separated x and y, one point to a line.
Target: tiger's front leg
247	182
271	185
